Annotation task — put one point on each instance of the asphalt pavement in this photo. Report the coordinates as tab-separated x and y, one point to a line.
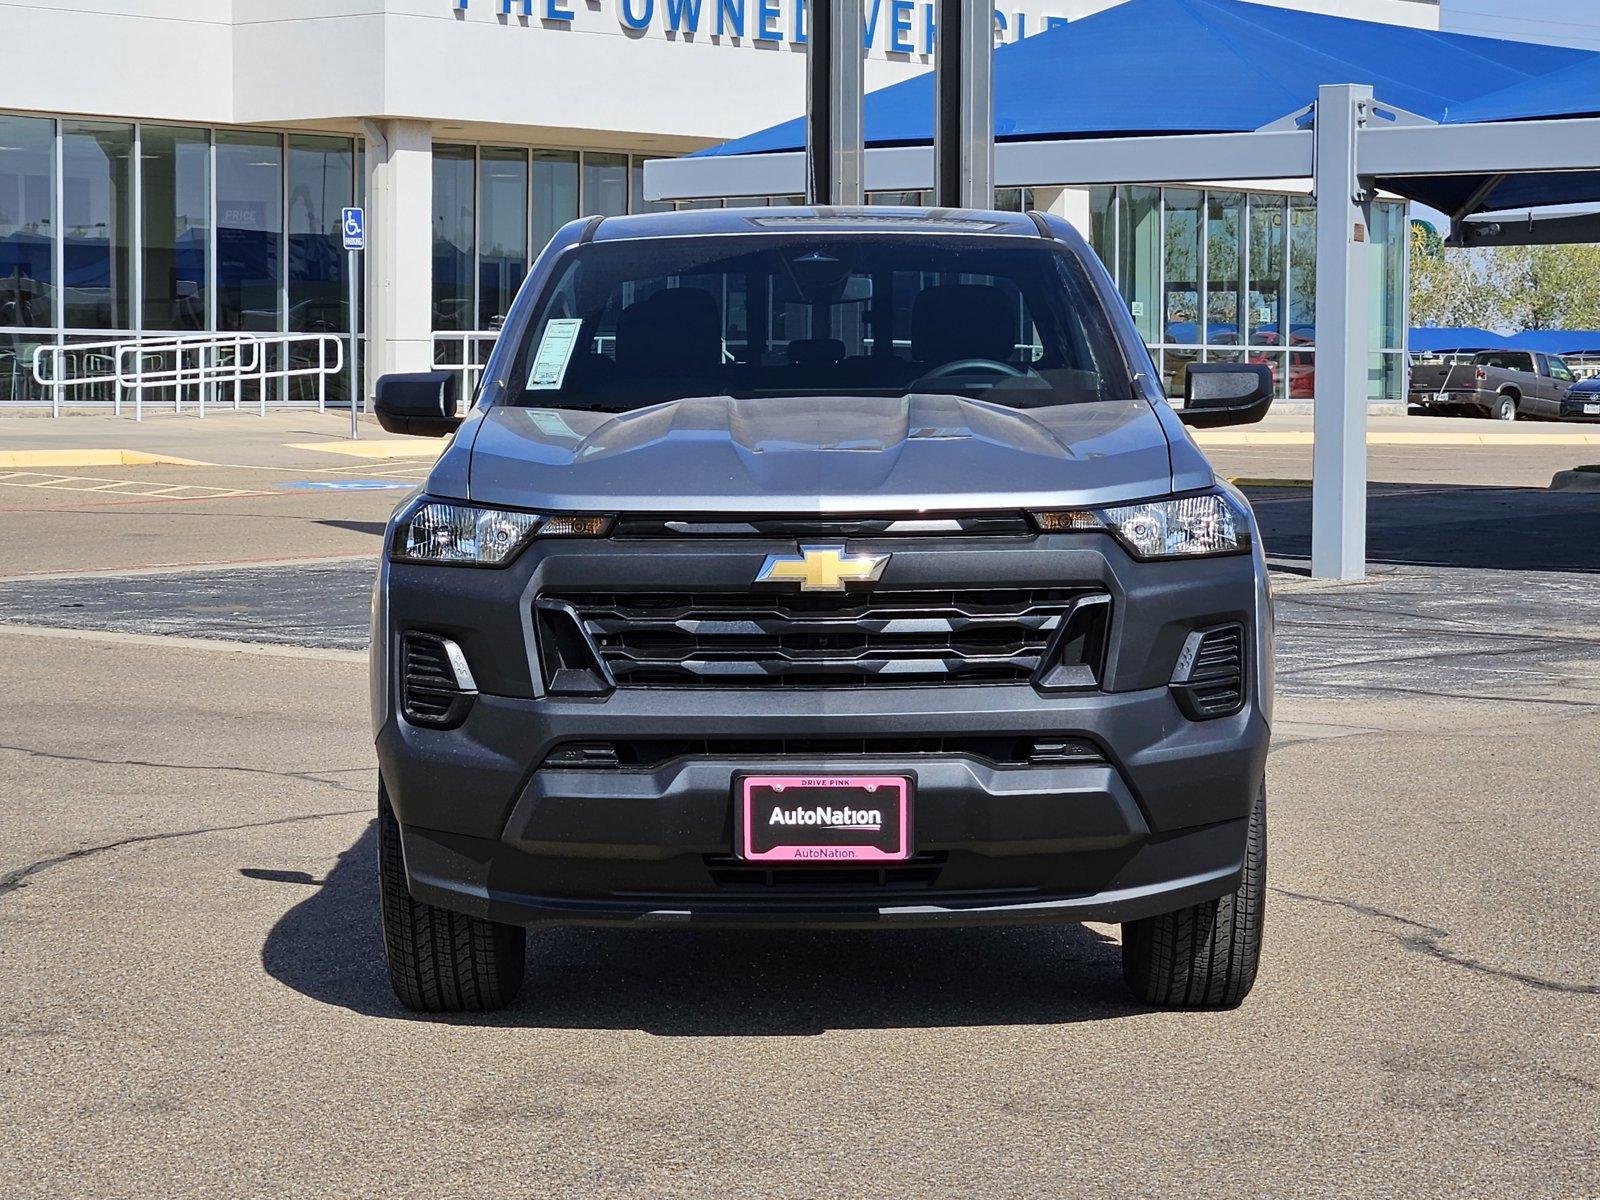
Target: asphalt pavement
196	997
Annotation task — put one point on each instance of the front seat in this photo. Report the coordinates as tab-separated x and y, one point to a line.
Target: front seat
952	321
674	333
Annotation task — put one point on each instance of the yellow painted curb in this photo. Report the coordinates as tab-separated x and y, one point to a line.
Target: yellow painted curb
379	447
1248	481
22	459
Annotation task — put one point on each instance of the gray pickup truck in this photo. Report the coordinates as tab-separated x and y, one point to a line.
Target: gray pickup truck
1503	384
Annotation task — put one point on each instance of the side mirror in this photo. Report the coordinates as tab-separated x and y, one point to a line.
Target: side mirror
422	403
1226	393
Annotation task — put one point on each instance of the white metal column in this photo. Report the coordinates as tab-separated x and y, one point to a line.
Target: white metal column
400	238
1339	456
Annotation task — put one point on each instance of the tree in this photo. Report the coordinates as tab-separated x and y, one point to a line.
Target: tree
1503	287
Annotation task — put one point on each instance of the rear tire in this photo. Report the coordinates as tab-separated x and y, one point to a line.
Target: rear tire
1206	955
441	961
1505	409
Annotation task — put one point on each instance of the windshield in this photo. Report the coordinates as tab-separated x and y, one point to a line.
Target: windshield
633	323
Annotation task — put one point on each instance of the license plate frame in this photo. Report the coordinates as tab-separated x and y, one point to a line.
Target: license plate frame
823	841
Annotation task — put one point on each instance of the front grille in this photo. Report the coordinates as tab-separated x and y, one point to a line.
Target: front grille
713	639
1001	750
1213	685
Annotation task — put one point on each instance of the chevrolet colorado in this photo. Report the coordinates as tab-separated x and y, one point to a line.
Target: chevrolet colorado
826	567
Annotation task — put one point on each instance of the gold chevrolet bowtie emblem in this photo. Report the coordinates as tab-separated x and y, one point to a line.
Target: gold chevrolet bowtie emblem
822	568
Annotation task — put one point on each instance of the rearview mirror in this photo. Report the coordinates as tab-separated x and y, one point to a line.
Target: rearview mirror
1226	393
421	403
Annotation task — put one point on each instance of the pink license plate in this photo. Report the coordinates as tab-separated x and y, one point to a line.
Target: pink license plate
824	818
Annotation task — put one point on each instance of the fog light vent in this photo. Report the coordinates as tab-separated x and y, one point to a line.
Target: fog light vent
436	686
1209	680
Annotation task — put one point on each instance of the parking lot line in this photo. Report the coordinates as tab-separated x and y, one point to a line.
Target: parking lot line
144	489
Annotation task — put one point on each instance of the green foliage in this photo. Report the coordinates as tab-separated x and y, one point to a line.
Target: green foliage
1503	287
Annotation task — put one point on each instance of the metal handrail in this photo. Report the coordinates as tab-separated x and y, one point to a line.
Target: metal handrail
468	363
205	362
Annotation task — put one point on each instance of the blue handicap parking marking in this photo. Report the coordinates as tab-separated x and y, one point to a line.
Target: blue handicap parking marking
354	222
351	485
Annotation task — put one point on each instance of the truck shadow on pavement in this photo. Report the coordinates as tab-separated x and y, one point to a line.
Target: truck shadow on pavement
711	983
1447	525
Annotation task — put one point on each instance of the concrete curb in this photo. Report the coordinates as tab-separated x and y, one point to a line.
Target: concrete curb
1575	481
23	459
384	447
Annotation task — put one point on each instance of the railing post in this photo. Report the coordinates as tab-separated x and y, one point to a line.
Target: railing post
138	384
322	375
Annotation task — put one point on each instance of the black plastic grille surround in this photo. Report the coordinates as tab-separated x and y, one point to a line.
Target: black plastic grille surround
1213	684
853	639
1002	750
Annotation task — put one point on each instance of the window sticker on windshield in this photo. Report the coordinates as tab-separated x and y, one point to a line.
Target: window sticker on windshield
555	352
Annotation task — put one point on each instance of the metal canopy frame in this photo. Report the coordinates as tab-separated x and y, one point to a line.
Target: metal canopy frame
1354	141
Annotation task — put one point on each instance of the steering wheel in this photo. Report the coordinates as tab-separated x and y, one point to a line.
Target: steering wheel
964	366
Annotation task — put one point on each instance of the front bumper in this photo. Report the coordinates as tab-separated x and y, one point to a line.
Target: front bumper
1156	822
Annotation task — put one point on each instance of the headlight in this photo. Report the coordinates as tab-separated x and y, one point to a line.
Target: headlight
1182	527
465	534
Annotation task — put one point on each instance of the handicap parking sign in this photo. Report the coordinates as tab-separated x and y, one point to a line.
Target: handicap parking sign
354	222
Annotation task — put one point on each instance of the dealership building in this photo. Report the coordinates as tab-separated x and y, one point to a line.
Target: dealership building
171	168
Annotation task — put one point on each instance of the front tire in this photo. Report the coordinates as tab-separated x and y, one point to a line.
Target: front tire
1206	955
441	961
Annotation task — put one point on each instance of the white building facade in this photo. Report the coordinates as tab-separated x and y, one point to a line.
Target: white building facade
171	166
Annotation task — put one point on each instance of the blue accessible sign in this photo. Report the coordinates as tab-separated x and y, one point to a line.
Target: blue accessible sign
353	221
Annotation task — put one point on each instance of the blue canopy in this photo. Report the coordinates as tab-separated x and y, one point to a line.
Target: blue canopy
1573	91
1434	338
1556	341
1427	339
1200	66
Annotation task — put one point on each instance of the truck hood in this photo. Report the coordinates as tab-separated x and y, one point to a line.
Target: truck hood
716	454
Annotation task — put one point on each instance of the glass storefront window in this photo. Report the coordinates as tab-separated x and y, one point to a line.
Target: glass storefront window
27	227
1139	258
502	230
1302	270
1102	225
97	216
637	202
175	182
454	223
1224	268
249	230
1389	233
555	193
1182	314
1264	300
321	183
605	184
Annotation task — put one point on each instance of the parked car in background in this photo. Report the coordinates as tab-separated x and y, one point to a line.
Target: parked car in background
1502	384
1582	401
